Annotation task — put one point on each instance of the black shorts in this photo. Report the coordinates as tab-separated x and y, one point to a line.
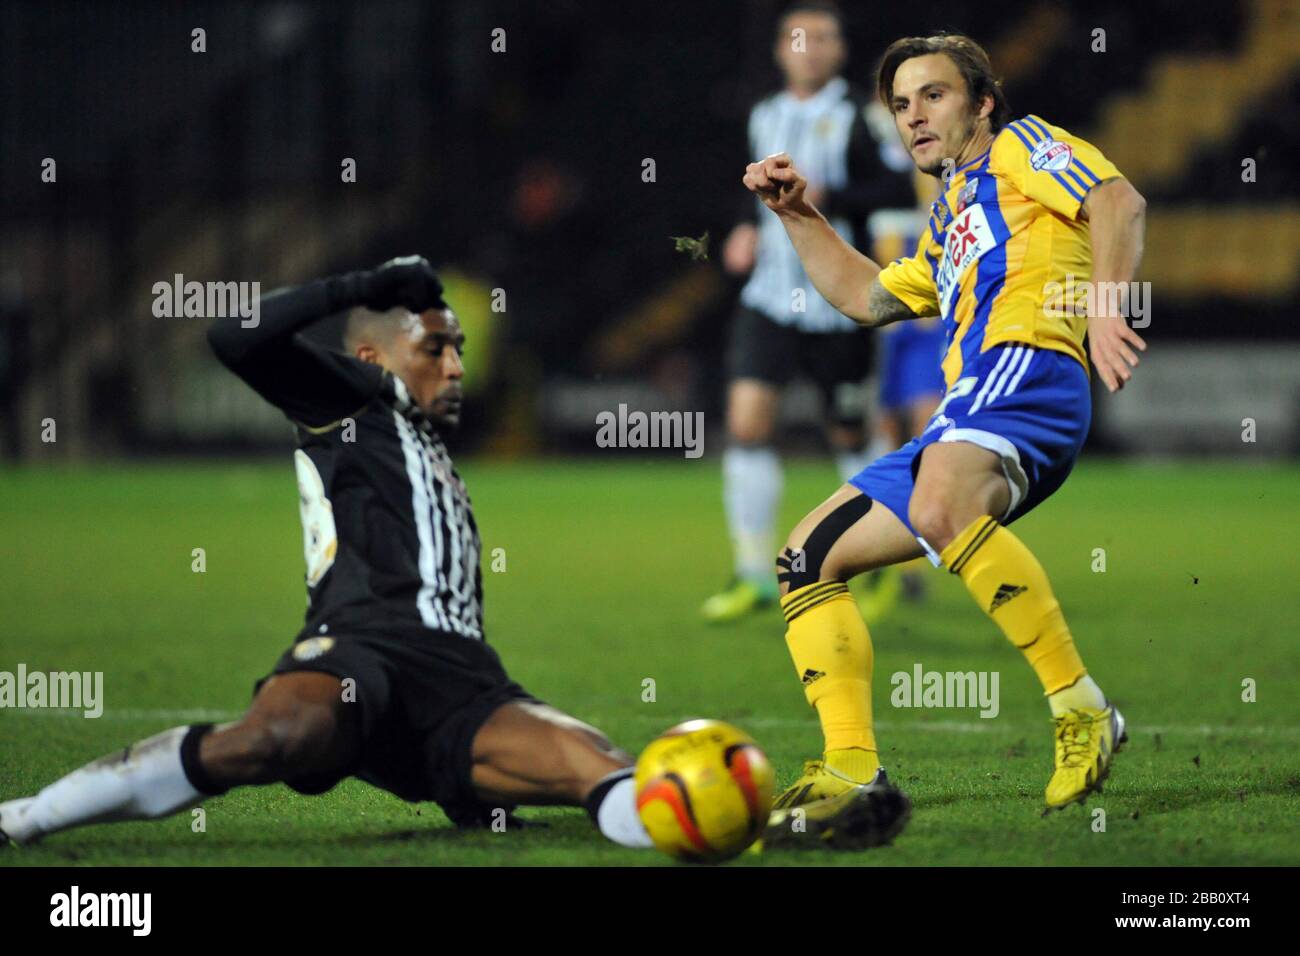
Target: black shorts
838	363
421	696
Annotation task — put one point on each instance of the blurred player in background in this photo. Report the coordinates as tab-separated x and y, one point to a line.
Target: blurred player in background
391	678
911	380
783	327
1024	205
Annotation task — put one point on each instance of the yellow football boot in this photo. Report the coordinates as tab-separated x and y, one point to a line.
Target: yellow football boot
815	783
741	598
1086	740
824	808
835	772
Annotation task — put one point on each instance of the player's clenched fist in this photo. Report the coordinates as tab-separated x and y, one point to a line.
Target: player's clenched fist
408	281
781	187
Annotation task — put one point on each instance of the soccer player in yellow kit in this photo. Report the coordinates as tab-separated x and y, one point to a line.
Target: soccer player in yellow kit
1025	205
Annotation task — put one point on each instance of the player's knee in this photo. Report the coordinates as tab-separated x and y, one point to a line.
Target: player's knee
792	560
749	431
941	509
933	519
242	753
307	741
281	747
806	558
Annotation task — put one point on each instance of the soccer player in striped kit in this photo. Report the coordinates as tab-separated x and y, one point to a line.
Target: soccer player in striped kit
783	327
390	679
1025	204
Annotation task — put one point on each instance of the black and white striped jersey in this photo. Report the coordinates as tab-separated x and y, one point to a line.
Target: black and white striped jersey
832	142
388	530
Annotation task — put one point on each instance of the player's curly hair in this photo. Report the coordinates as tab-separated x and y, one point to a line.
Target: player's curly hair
972	62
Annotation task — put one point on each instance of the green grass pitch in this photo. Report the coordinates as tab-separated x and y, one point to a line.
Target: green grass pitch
606	563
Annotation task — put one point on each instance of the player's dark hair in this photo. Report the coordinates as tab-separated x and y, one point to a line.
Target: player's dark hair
971	60
825	7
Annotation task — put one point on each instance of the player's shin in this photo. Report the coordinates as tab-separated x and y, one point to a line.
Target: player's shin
612	807
832	655
1011	587
150	779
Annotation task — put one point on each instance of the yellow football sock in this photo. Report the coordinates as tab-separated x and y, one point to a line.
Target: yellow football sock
1006	580
854	762
832	655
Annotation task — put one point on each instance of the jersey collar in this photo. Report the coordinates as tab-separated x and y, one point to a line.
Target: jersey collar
979	160
395	393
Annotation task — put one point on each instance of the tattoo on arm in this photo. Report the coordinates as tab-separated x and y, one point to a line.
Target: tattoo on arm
884	307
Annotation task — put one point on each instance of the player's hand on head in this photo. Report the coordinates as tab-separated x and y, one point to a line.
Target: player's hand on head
1112	345
408	281
777	183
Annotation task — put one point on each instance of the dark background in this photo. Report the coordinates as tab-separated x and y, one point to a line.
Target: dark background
521	171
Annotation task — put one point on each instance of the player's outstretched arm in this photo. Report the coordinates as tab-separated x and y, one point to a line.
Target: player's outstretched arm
312	384
1116	215
841	274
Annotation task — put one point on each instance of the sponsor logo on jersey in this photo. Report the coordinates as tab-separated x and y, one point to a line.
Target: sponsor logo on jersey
319	536
312	648
1050	156
968	238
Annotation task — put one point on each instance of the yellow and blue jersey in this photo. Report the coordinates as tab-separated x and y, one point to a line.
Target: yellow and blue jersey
1005	228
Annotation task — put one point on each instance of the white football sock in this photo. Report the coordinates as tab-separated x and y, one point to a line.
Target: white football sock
144	782
751	480
14	821
616	816
1082	693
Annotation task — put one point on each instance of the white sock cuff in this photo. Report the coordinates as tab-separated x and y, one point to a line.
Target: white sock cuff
617	816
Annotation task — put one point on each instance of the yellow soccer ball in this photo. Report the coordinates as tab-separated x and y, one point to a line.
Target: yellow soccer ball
703	790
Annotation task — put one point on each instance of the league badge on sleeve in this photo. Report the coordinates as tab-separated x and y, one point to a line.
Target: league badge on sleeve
1050	156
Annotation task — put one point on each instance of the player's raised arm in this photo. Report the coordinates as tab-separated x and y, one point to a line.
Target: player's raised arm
844	276
311	384
1116	215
